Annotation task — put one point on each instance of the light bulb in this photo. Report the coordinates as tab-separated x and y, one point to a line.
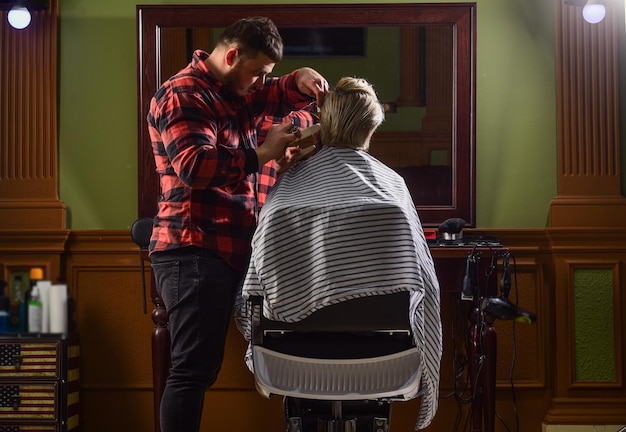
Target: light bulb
19	17
594	12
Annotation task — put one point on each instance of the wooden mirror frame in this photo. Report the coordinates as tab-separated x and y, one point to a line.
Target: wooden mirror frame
462	16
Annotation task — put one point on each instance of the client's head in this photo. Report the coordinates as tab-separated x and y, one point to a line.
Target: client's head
350	114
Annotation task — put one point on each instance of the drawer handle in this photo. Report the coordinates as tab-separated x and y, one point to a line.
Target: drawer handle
15	402
18	360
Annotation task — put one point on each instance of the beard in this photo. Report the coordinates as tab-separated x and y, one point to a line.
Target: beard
231	84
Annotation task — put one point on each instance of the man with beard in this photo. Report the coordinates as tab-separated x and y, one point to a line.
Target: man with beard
203	124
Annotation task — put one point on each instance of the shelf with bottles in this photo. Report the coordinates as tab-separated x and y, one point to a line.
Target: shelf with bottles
31	304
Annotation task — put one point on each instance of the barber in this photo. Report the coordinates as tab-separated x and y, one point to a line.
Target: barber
203	124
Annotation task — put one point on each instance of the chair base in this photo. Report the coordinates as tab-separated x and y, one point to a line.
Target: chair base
307	415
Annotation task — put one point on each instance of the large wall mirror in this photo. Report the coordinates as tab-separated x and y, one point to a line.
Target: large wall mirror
419	57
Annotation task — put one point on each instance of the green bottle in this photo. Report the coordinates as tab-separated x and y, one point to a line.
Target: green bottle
34	311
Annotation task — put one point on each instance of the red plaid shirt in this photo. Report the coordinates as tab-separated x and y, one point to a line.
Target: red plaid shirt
203	144
268	171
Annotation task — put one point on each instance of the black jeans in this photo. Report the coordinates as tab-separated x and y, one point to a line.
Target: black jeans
198	289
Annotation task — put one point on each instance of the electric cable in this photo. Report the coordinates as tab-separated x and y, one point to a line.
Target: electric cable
505	285
514	341
478	284
514	356
459	361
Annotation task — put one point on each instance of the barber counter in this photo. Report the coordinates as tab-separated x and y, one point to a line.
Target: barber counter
475	274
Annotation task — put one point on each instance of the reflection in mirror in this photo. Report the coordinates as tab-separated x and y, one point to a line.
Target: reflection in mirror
423	73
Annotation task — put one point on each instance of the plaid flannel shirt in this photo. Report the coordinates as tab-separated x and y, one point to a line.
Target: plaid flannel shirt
203	143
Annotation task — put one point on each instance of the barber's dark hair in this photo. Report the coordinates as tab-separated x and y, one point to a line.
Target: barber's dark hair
253	35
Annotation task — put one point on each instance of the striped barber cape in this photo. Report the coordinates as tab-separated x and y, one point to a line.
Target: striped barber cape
342	225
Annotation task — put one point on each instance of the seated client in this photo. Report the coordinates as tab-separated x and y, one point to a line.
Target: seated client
341	225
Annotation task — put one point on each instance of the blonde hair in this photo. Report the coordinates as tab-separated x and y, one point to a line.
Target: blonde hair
350	114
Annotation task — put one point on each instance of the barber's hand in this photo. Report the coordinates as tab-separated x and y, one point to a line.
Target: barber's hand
289	157
276	143
293	155
312	83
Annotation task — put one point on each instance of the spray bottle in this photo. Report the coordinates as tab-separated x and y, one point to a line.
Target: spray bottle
35	311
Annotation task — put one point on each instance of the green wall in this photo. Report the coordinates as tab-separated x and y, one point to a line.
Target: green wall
515	120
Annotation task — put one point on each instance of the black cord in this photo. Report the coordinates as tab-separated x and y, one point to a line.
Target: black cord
476	354
511	377
461	386
459	361
514	341
502	422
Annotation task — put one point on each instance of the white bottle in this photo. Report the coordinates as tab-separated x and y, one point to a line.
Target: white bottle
34	311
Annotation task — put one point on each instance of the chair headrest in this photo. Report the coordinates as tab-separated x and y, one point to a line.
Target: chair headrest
141	231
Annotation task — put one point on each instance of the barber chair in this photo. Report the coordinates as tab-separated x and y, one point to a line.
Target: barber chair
340	368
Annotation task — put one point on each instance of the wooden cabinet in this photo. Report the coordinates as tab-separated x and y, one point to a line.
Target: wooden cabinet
39	382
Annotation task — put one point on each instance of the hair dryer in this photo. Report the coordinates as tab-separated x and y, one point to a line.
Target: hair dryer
469	280
501	307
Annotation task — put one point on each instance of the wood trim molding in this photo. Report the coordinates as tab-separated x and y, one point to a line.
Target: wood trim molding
589	178
23	249
28	114
587	411
609	240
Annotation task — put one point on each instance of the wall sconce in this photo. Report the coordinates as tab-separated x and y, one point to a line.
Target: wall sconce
19	17
19	11
594	11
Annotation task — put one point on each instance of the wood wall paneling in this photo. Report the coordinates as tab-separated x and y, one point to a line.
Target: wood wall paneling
28	114
589	179
104	276
33	231
588	216
575	401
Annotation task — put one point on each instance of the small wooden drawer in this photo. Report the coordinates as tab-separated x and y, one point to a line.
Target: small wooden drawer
28	428
39	382
34	400
29	359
